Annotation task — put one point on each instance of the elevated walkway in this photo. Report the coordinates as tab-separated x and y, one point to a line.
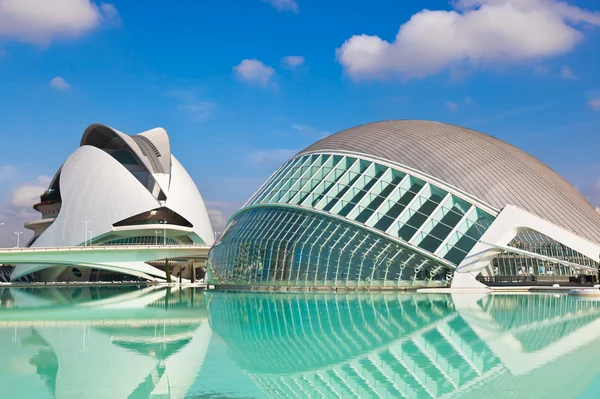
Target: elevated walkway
130	259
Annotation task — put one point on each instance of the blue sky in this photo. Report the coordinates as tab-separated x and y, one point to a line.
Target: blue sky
215	75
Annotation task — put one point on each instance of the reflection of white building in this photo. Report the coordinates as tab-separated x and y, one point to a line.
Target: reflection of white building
117	189
121	346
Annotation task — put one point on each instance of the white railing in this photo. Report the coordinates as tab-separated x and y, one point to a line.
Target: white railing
105	248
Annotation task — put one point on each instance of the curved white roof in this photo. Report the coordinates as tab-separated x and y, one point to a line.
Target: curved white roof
97	192
483	166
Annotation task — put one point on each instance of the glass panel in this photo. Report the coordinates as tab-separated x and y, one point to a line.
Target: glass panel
306	249
380	197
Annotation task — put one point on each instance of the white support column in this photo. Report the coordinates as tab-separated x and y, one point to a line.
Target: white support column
320	246
337	272
505	227
331	248
306	239
376	261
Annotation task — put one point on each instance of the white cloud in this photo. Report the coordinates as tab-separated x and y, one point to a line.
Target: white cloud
59	83
451	105
111	15
284	5
254	72
481	32
594	103
189	104
567	73
292	62
41	21
272	156
219	212
26	195
16	208
217	219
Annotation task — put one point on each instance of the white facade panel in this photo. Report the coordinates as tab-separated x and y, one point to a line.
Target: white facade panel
98	189
185	199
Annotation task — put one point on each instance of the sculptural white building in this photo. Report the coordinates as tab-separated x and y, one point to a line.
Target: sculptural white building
117	189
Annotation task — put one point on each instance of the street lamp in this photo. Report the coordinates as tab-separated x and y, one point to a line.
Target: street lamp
85	230
164	223
18	234
90	235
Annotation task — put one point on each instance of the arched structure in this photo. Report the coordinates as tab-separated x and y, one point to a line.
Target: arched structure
117	189
407	203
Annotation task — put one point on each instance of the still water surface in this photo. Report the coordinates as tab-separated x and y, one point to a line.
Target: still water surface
145	342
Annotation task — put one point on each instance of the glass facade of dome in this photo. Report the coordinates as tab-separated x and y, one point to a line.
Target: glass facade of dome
333	220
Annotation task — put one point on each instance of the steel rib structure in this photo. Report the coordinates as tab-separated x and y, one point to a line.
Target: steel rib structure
403	204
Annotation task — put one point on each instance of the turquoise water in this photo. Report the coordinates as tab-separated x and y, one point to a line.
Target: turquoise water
145	342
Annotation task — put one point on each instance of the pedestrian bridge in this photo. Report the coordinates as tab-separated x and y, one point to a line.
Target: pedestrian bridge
129	259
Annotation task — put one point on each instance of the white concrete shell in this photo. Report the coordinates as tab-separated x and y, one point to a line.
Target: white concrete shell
98	191
185	199
97	188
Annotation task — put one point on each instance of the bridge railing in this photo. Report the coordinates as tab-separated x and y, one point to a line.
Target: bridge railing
100	247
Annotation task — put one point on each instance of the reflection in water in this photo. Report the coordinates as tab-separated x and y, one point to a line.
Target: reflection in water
149	342
117	342
412	345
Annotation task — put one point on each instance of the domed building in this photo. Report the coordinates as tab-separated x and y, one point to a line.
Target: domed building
408	203
117	189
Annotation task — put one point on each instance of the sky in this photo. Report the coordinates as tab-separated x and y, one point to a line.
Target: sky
242	85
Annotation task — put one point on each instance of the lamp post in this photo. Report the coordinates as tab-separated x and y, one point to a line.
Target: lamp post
164	223
85	230
90	235
18	234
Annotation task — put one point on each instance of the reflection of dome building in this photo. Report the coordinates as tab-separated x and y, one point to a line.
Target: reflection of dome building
411	346
117	189
407	203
